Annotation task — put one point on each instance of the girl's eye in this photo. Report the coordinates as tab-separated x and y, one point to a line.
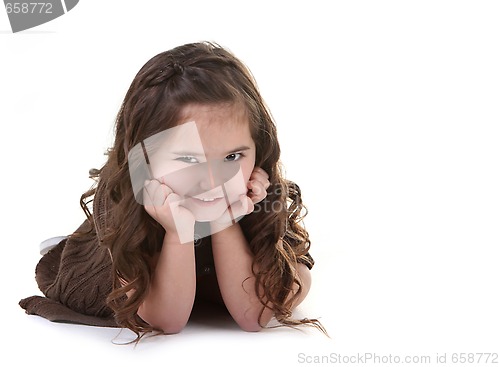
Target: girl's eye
187	159
233	157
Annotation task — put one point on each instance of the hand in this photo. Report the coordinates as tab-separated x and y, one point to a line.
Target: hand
257	186
162	204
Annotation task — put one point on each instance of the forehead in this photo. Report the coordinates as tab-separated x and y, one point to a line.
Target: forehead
208	130
218	118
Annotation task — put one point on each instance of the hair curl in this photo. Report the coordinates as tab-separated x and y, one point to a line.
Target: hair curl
198	73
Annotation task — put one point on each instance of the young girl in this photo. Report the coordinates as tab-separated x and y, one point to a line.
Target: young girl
190	203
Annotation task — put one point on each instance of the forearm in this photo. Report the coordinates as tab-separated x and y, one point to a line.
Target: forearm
233	264
170	299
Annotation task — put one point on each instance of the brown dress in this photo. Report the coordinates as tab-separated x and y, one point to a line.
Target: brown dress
76	278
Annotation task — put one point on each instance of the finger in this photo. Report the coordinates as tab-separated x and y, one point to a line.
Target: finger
256	188
258	174
263	179
258	192
242	207
265	183
152	195
173	199
156	192
252	183
261	171
246	204
167	191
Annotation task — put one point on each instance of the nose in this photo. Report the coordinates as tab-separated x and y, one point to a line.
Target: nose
207	181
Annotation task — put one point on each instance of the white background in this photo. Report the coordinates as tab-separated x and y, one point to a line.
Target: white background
388	116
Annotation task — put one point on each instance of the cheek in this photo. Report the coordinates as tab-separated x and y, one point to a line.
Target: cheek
238	184
247	165
162	169
247	169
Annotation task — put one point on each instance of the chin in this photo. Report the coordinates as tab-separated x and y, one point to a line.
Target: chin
204	219
208	216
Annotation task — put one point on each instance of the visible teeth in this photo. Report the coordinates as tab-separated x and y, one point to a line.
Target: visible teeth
207	199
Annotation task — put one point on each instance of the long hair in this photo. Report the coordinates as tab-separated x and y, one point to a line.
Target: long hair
200	73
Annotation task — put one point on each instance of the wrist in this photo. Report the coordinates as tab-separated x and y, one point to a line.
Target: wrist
173	237
221	230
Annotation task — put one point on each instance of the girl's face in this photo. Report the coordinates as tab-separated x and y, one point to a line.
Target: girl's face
207	159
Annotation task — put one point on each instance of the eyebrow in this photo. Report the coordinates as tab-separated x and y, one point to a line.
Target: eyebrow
188	154
199	154
239	149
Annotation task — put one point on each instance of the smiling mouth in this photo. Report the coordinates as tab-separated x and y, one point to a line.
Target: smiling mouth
207	200
209	196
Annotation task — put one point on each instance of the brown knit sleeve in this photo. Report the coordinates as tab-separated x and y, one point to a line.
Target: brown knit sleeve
75	277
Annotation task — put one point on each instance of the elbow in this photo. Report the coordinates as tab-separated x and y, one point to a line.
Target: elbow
253	319
249	326
169	325
172	327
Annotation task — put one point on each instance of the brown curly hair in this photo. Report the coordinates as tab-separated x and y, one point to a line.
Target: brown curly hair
201	73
